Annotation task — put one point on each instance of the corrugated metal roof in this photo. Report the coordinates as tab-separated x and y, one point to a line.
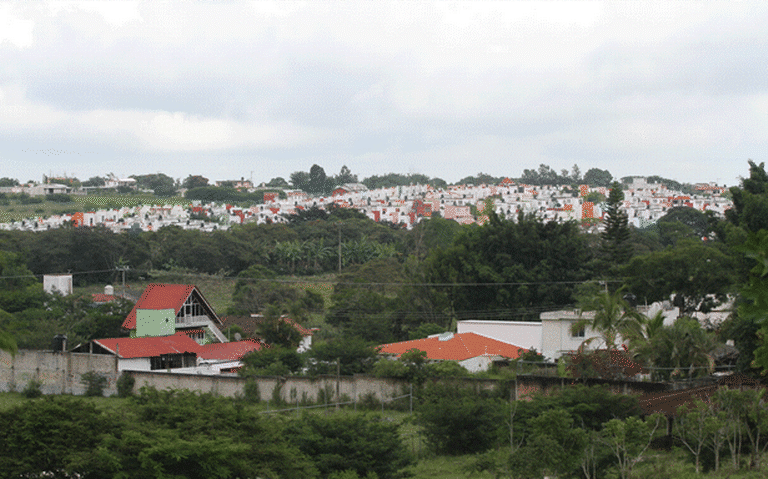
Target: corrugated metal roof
228	351
149	346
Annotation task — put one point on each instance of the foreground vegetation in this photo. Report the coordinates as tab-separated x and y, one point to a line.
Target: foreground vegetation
577	433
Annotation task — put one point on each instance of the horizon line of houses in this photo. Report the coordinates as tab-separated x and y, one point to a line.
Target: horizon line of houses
644	204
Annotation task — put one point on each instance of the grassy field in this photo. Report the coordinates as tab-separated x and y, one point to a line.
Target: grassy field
15	211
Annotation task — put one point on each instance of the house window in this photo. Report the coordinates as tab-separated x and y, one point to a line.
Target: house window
171	361
578	334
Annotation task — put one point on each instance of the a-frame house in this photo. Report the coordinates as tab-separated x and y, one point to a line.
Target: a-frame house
165	309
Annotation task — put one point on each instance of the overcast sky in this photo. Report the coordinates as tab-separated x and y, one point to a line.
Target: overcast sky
446	89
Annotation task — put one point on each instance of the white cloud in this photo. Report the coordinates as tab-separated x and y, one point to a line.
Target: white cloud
114	12
15	30
466	86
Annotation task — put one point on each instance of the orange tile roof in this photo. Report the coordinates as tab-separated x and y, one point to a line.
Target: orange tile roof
460	347
163	296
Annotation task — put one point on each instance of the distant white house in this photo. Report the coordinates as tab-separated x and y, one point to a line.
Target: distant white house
57	283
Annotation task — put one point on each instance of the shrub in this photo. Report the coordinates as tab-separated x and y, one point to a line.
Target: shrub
94	382
461	421
251	391
342	443
58	198
32	390
277	394
125	385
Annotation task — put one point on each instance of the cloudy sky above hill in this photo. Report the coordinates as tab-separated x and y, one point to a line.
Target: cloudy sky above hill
446	89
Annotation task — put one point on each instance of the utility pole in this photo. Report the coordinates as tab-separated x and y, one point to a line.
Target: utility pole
339	225
123	268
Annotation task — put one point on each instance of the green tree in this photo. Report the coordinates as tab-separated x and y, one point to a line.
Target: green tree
6	182
95	181
278	182
350	355
461	421
276	330
345	176
629	440
615	237
598	177
319	184
160	183
694	427
694	219
7	343
681	350
753	310
556	442
359	442
272	361
699	275
505	269
750	201
196	181
613	318
44	436
18	288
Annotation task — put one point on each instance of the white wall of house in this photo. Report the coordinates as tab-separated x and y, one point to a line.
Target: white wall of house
477	364
305	344
58	283
133	364
525	334
556	336
208	367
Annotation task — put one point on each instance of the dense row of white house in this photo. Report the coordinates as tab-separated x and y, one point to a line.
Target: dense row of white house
644	203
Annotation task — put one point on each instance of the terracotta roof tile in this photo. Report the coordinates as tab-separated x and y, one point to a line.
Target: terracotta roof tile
458	348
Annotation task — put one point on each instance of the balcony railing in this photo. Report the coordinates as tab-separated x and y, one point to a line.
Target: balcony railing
200	320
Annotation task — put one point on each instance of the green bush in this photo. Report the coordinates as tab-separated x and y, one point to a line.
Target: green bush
58	198
125	384
25	199
94	382
32	390
251	391
342	443
461	421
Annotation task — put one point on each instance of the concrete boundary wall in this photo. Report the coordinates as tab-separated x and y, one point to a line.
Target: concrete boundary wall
287	389
59	373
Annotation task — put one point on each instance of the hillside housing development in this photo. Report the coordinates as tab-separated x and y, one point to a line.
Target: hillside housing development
644	204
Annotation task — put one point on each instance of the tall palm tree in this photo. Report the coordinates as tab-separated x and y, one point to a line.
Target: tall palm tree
613	319
642	344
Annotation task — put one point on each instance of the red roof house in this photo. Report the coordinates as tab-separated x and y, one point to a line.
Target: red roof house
184	301
177	351
473	351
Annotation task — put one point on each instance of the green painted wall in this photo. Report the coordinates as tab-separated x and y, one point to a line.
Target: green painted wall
155	322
